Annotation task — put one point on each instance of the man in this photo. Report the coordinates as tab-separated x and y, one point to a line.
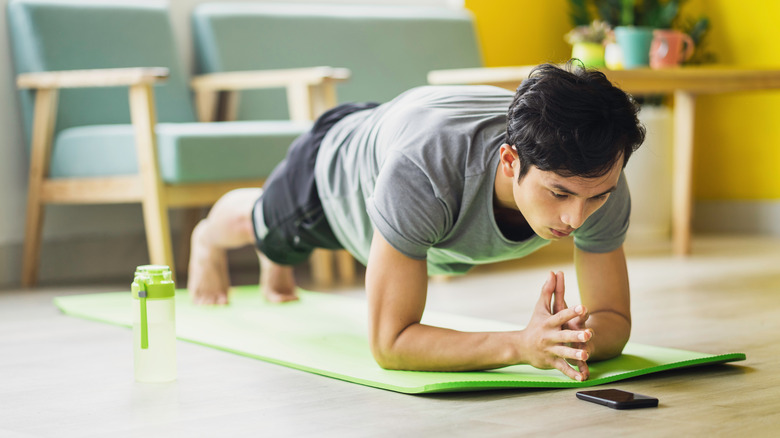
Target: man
436	181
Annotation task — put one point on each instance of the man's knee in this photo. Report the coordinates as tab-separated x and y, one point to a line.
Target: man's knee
233	214
242	197
236	202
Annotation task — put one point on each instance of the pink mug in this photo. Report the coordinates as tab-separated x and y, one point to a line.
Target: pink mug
670	48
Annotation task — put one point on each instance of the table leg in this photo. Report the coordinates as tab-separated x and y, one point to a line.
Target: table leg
682	181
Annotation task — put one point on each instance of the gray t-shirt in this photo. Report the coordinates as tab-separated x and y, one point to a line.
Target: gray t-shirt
421	170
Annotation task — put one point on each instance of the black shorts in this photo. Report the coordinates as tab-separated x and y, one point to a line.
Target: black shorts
289	209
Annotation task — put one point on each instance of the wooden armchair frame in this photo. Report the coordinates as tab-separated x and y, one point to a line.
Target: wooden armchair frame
311	91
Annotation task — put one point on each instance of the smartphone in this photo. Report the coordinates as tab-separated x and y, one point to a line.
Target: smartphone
617	399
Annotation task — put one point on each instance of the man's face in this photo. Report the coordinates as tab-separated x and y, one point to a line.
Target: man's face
554	206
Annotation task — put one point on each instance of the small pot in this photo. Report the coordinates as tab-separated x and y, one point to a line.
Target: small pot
591	54
634	42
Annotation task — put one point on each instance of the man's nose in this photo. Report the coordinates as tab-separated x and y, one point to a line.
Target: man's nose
574	216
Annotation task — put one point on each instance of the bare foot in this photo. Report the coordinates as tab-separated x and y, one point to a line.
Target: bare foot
208	279
277	281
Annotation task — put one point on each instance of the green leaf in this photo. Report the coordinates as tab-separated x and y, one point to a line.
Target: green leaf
578	13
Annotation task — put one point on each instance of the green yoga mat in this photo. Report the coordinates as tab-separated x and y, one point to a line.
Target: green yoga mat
327	334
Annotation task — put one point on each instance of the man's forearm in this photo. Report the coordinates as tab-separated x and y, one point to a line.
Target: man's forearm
396	287
427	348
604	290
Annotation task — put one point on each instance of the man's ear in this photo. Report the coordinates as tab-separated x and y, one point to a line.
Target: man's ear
508	159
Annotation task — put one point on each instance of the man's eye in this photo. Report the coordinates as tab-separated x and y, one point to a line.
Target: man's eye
559	196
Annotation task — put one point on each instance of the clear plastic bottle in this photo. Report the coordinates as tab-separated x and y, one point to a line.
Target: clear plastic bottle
154	324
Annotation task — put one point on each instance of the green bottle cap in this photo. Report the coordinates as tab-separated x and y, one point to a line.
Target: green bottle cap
151	282
156	281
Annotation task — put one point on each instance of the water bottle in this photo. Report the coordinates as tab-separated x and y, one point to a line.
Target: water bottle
154	324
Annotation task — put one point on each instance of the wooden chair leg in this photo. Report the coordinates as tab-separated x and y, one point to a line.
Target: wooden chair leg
155	207
321	262
190	218
44	117
206	105
346	266
33	232
158	233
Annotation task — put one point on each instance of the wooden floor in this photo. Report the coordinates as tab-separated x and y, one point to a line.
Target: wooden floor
62	376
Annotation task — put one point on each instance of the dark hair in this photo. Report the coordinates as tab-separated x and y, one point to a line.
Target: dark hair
572	121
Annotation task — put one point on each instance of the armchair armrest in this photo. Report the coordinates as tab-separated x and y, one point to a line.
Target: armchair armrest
310	91
107	77
243	80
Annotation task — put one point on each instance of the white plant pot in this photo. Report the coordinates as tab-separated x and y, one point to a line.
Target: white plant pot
649	176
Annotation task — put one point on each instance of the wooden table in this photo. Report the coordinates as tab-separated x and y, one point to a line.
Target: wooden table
684	83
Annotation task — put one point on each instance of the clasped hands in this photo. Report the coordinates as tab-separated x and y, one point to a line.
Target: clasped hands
556	336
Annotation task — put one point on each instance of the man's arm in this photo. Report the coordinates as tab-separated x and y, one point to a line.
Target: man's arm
397	288
604	291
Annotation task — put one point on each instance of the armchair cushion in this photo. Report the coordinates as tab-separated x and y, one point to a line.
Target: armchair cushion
187	152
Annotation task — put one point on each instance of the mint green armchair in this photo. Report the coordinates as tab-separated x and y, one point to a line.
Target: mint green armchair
109	116
388	49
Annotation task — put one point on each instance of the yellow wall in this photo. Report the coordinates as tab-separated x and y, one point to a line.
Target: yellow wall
737	136
520	32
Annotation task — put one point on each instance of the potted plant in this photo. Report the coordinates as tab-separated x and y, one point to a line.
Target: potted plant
587	43
638	23
633	22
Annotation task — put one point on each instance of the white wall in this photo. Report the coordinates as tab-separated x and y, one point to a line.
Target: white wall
81	228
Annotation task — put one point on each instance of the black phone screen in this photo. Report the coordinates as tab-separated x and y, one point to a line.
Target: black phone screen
617	399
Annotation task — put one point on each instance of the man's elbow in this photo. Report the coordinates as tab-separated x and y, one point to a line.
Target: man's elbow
386	361
608	352
615	345
386	354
